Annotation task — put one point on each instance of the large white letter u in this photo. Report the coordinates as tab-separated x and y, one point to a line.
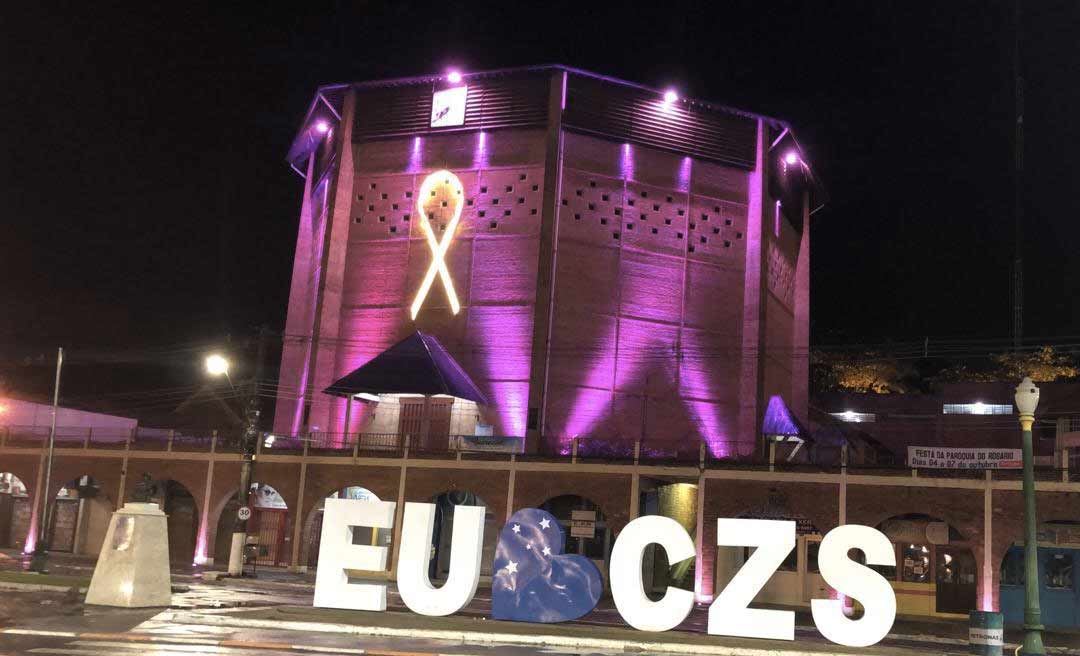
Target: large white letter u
465	554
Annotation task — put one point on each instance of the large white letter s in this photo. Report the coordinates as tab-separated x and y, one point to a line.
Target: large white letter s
856	581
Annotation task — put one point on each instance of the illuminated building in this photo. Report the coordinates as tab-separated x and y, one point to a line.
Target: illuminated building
604	261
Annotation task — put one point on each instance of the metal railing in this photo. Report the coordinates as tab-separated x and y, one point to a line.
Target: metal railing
690	452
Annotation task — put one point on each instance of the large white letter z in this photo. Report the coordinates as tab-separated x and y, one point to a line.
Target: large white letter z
730	613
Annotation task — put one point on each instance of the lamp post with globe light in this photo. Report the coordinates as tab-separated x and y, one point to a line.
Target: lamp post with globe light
1027	399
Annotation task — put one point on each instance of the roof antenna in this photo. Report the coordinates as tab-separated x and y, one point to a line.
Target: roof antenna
1018	202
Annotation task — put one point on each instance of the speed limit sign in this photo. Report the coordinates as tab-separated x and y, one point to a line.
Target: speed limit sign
243	513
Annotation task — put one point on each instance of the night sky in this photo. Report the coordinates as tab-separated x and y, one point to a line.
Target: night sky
148	209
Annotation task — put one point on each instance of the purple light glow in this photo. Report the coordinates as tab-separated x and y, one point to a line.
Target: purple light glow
480	155
454	77
778	419
686	167
626	164
504	364
322	127
416	157
776	220
791	158
670	96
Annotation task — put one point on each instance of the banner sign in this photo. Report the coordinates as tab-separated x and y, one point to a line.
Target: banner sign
931	457
534	581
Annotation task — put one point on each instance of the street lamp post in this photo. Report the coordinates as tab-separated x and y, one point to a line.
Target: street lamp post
39	559
1027	398
217	365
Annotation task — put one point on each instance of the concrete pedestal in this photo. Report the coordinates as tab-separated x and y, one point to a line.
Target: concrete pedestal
133	569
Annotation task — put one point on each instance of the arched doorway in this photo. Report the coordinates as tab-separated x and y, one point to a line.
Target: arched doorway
182	518
268	527
16	507
1059	589
936	572
377	537
585	527
439	566
677	501
80	517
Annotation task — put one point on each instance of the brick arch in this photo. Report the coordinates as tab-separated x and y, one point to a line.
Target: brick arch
191	475
321	480
104	471
25	468
283	477
962	509
611	493
817	502
423	485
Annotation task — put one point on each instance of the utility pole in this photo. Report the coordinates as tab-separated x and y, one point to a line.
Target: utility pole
39	561
249	442
1018	200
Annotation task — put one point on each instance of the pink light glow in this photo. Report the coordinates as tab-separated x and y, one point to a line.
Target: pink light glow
791	158
322	127
454	77
670	96
31	535
201	540
776	220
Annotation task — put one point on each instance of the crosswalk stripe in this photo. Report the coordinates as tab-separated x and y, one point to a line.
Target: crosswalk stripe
33	632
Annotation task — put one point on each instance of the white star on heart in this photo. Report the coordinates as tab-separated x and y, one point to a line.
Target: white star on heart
547	551
511	567
516	529
545	523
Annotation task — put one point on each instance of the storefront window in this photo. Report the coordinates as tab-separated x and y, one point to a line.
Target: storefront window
1012	568
915	559
791	563
811	555
1059	568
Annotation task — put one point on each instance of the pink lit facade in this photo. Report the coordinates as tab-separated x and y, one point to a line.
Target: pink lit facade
622	282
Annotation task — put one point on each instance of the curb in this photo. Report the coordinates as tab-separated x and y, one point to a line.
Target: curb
478	637
38	587
151	639
471	637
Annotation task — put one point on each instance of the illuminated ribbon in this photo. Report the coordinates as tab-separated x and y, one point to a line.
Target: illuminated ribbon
441	187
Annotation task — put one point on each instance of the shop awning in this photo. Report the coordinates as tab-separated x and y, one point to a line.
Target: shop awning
417	364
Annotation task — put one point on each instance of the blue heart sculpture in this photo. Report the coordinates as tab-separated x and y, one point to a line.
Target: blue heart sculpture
533	580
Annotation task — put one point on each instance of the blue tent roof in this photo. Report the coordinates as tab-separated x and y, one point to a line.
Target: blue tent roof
417	364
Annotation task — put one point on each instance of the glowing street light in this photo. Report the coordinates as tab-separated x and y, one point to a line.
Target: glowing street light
454	77
217	365
670	96
322	127
791	158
